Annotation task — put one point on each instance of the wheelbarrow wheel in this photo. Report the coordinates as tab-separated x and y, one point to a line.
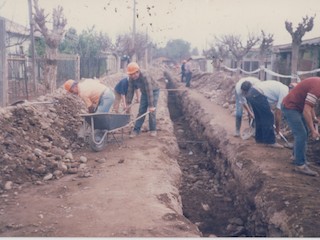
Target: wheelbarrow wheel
98	136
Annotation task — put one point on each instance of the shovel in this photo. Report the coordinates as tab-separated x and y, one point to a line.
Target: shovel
248	132
288	144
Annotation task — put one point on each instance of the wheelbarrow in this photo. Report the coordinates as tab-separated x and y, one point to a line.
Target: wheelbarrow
101	125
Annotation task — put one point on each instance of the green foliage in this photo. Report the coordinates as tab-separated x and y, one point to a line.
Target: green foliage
176	50
40	46
70	42
92	43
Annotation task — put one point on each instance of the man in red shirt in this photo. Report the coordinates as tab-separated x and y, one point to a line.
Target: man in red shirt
298	110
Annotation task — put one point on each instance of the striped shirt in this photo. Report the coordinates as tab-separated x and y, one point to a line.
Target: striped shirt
306	92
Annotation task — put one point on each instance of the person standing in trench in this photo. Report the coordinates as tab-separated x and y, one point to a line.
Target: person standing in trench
188	73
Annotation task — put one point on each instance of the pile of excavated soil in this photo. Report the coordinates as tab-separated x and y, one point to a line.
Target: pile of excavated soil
36	139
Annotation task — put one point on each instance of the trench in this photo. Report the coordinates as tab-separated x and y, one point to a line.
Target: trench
207	201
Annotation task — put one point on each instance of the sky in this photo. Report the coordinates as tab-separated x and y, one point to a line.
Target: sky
195	21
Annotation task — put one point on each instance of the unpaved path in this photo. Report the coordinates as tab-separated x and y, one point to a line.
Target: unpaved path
133	191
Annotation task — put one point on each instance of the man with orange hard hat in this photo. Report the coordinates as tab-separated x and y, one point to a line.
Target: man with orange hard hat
148	99
97	96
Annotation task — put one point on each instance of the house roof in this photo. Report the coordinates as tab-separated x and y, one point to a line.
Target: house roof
18	29
308	42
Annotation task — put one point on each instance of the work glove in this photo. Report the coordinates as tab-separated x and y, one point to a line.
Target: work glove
91	109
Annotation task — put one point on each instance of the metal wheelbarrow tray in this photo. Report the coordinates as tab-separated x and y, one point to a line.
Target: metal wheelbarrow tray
102	124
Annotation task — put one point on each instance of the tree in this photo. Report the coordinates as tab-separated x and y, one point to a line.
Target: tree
124	44
70	42
237	49
91	47
305	26
52	39
265	49
177	50
217	52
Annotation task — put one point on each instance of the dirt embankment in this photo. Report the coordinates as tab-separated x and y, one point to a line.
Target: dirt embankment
275	200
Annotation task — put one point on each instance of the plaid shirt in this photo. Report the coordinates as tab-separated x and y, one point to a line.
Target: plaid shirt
146	84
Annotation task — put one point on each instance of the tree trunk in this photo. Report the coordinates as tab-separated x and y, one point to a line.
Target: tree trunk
261	63
294	61
51	68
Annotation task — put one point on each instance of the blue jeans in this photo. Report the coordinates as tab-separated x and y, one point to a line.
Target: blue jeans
299	129
106	101
143	109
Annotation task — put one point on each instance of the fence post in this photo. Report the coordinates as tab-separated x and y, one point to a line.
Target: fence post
3	66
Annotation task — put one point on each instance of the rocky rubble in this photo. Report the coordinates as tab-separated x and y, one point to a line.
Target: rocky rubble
37	139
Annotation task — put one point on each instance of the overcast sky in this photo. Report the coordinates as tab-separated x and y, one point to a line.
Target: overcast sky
195	21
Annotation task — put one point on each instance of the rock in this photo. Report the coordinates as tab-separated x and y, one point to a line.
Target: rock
236	221
83	159
40	169
69	156
38	152
58	173
102	160
48	177
73	170
82	166
8	185
58	151
31	157
62	167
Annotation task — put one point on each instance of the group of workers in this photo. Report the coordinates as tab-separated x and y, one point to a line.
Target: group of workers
99	98
267	101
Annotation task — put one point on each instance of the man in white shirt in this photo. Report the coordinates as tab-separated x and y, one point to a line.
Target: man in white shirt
262	97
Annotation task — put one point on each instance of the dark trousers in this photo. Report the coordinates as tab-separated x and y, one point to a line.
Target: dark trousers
264	118
188	78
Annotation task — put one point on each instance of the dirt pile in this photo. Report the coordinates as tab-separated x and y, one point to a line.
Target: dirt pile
36	139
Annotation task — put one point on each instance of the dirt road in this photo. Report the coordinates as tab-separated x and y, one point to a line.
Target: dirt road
135	189
131	190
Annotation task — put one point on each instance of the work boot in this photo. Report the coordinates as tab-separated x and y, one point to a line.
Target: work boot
133	134
237	133
304	169
153	133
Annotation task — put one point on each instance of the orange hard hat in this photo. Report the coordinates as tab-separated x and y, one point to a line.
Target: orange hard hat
69	84
132	68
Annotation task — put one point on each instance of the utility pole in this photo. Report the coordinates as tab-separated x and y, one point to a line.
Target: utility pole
146	50
33	57
3	65
134	59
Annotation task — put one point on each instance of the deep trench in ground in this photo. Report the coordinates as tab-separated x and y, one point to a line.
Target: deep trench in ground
204	200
